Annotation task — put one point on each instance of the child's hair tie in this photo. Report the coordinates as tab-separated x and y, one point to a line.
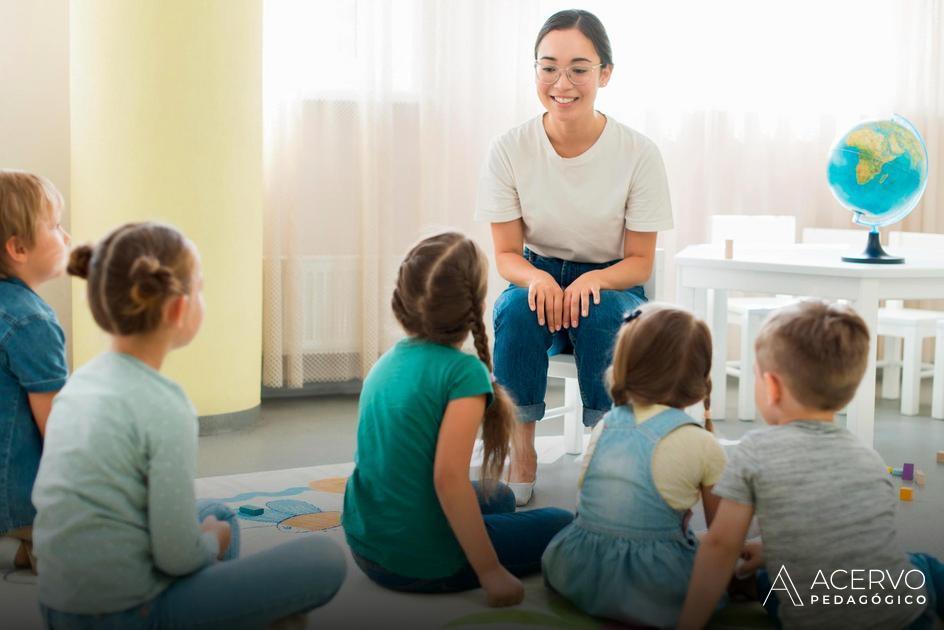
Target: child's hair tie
628	317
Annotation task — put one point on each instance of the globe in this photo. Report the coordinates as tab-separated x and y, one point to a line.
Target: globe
878	170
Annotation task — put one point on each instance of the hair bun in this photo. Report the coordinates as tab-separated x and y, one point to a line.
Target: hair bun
151	282
79	261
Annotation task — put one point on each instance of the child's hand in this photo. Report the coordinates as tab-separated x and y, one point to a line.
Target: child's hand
501	588
546	299
222	531
753	559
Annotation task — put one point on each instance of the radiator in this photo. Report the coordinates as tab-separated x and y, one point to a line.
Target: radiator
332	304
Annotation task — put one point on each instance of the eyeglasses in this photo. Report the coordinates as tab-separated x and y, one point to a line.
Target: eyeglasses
628	317
577	74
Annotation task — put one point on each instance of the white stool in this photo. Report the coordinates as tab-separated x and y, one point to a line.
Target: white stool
937	387
563	366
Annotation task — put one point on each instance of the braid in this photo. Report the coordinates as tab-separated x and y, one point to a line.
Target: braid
709	426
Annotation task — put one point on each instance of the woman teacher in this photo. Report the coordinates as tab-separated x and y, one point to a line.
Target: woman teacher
575	200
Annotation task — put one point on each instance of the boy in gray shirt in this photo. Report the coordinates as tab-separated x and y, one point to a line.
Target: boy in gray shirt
823	499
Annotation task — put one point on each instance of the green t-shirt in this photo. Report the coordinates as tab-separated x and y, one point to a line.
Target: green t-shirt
392	515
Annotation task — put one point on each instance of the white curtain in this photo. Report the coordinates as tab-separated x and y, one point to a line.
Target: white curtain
378	116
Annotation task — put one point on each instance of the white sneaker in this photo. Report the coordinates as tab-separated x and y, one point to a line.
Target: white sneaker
524	492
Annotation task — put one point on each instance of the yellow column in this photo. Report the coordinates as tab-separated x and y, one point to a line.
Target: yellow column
166	115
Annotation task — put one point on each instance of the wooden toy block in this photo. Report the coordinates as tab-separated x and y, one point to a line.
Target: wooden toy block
907	472
920	478
905	494
897	472
940	457
251	510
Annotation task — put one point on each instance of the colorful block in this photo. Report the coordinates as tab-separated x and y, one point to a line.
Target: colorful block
251	510
920	478
897	472
907	472
905	493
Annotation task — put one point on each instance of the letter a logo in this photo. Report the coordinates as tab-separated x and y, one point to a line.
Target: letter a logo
785	584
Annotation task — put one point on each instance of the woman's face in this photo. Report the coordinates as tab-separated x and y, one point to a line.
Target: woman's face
569	49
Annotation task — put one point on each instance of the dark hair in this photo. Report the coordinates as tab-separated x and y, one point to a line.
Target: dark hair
131	273
440	297
662	356
585	22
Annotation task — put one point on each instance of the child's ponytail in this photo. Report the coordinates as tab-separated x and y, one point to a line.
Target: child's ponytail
499	416
709	426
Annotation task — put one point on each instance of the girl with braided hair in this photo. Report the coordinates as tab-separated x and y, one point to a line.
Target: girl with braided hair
413	519
120	537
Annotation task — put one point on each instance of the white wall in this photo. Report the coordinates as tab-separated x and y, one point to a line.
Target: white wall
34	105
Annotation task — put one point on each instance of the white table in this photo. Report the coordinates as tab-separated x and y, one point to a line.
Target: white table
808	270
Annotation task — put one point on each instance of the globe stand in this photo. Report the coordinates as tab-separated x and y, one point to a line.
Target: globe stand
874	254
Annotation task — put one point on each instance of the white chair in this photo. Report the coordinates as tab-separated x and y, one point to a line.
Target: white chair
563	366
937	387
750	312
912	326
901	371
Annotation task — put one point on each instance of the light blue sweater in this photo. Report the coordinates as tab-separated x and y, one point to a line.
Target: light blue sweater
116	512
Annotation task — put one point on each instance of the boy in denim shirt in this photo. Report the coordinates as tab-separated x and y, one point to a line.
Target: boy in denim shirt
33	250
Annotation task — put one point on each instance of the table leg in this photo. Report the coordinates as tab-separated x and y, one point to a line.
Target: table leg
719	354
861	416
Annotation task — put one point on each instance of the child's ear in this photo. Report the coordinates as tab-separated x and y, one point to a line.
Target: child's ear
176	310
773	387
15	249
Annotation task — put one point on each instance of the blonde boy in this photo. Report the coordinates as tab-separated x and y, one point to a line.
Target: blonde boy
823	500
33	249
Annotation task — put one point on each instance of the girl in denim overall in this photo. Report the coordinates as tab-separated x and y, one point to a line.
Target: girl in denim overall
629	553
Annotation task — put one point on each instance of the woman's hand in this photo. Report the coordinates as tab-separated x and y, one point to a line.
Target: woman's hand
577	298
546	298
501	587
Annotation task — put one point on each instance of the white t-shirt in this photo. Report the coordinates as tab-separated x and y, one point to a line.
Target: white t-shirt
576	208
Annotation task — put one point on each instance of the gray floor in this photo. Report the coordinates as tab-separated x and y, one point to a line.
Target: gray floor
316	431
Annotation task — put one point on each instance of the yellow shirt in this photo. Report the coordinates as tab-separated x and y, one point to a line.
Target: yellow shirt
683	461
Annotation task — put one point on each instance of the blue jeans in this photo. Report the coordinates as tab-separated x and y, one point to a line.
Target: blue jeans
251	592
522	347
519	539
931	567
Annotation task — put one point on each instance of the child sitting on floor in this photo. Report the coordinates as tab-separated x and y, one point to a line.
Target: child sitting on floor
33	250
120	539
629	553
412	517
823	499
